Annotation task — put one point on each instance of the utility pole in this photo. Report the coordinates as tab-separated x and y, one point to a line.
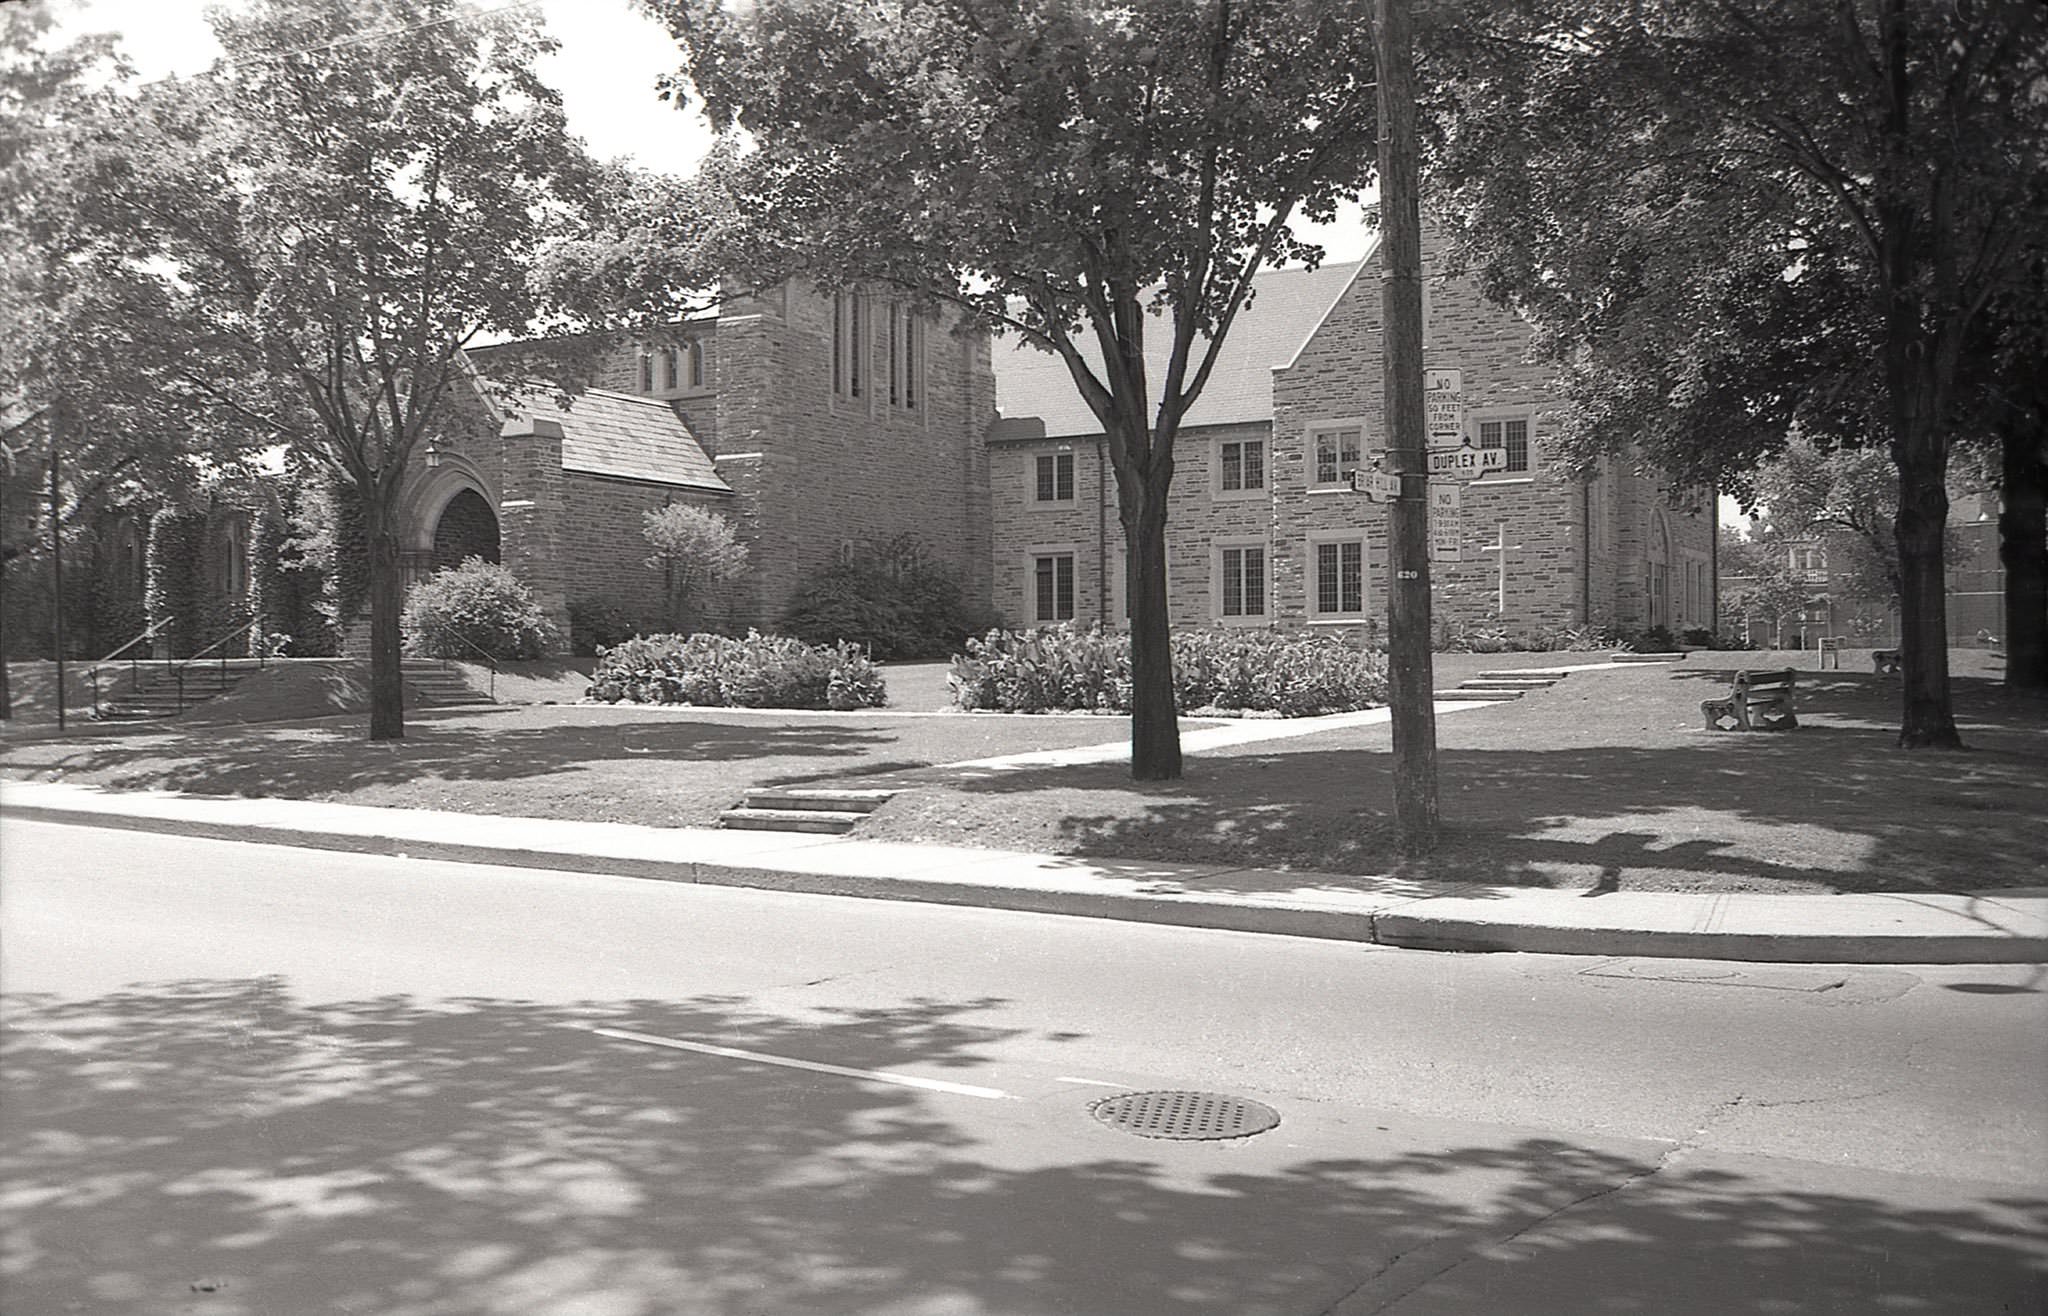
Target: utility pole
1410	669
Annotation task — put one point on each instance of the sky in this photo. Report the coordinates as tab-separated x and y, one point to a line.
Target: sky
611	55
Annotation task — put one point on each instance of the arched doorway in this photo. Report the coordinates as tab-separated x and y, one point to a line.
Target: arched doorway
467	528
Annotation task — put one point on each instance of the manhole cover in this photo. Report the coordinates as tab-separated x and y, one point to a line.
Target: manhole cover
1185	1116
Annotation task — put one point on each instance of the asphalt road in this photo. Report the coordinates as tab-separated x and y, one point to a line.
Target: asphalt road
253	1080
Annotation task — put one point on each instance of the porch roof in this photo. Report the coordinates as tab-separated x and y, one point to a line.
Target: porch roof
622	436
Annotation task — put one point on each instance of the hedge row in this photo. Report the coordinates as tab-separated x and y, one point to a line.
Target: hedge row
759	671
1074	669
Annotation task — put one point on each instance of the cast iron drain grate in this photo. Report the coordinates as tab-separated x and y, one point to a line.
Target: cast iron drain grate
1185	1116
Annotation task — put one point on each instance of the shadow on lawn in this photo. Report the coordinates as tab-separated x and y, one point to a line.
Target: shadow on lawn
217	1147
453	744
1833	805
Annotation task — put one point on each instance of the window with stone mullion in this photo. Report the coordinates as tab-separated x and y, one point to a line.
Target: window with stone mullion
1510	435
1340	577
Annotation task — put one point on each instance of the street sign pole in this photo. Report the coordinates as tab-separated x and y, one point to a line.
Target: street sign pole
1410	669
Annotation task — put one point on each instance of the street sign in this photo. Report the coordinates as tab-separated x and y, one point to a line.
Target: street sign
1443	403
1446	536
1376	485
1446	499
1466	463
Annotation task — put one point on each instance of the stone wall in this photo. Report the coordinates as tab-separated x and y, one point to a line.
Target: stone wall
830	469
1535	513
605	559
1575	550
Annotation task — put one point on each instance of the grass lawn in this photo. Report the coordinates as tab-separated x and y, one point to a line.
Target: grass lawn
1607	781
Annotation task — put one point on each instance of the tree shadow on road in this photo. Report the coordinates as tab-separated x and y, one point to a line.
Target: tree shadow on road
217	1147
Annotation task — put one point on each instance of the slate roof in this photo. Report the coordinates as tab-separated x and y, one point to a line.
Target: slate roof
618	434
1288	307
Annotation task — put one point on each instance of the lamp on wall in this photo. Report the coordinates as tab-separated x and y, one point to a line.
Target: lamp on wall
433	454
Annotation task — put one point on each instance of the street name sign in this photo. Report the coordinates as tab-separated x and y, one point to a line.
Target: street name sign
1376	485
1466	462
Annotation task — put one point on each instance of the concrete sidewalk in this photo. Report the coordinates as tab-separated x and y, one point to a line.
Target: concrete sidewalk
1901	928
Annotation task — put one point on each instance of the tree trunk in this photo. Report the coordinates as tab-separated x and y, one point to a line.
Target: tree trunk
6	689
1155	726
2023	546
387	681
1927	719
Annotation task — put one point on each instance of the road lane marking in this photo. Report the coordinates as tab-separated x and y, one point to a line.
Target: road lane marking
791	1062
1096	1082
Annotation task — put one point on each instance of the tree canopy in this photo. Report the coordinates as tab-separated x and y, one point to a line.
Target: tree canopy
1732	217
350	197
1078	173
84	346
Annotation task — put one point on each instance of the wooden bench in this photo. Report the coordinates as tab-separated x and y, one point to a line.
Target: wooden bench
1759	701
1884	661
1831	647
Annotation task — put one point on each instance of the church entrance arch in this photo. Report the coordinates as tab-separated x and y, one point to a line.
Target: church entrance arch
466	528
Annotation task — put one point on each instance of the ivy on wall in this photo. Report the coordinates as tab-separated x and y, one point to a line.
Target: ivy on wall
287	581
176	593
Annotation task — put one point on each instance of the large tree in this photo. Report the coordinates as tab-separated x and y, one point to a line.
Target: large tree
1079	173
84	349
1734	215
355	192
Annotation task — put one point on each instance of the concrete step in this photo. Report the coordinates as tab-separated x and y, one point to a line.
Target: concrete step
1523	674
820	799
1504	683
1645	657
1484	696
789	820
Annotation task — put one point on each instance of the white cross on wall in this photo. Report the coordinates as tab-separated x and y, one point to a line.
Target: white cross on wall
1501	546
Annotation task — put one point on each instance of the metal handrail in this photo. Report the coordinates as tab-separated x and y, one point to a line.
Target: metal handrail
484	654
262	658
134	663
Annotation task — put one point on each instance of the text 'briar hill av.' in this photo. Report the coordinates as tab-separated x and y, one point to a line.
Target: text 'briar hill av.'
819	422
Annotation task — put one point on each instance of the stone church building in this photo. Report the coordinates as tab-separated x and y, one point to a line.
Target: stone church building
1264	528
817	422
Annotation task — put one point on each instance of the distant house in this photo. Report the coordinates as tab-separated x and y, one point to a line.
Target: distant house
1264	528
1836	606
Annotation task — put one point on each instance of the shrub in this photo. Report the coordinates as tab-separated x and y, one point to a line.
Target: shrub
1653	639
721	671
286	584
696	550
1493	637
1068	669
478	606
890	598
596	625
1050	669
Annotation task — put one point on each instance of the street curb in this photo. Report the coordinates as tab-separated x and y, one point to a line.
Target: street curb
1392	921
1423	933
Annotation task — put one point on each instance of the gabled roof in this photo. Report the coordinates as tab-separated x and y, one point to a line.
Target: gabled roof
618	434
1287	307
